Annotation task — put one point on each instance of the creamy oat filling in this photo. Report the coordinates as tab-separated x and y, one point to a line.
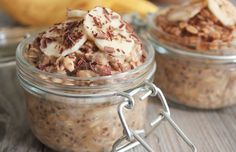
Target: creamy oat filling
88	44
201	24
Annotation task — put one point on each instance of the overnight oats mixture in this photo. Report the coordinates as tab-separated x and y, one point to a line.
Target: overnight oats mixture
201	28
87	45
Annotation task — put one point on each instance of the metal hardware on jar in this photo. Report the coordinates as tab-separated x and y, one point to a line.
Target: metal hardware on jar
134	138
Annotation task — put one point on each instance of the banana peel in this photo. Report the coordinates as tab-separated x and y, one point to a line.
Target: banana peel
47	12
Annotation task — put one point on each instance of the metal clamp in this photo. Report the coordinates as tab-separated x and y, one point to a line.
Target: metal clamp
132	138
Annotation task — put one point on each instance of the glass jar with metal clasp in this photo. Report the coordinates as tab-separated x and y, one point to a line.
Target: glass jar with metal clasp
10	92
80	114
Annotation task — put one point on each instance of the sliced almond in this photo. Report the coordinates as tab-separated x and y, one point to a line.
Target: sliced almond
191	29
69	64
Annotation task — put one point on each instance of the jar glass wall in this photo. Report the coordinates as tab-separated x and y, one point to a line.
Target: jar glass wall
80	114
196	83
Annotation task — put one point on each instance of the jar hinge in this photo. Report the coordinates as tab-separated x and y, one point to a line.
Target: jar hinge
133	138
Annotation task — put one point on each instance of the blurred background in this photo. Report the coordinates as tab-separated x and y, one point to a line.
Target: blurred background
19	17
44	12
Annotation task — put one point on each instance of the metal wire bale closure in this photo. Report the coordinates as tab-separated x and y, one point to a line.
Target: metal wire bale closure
133	138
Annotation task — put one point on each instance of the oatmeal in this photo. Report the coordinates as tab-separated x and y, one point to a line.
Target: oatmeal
78	127
196	51
72	75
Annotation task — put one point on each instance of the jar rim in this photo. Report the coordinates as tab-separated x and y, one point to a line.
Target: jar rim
21	60
182	51
9	39
119	80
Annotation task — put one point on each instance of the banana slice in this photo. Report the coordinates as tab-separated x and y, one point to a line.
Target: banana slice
109	32
224	11
186	11
52	43
76	13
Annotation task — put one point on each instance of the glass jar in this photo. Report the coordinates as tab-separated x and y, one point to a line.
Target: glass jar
8	44
10	92
195	78
80	114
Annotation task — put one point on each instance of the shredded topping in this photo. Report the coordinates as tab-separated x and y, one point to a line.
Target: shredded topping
98	42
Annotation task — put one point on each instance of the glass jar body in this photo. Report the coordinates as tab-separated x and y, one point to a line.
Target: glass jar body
80	114
74	124
196	83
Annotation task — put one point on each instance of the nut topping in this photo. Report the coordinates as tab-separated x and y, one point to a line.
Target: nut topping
203	29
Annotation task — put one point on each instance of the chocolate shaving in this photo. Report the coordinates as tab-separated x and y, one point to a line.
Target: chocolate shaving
43	43
36	42
61	49
100	35
109	49
129	28
67	40
135	36
72	34
105	11
114	17
70	38
143	57
110	35
57	24
52	29
92	66
122	25
122	36
97	22
82	64
104	70
107	17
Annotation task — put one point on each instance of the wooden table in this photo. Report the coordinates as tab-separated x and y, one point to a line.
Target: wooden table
210	131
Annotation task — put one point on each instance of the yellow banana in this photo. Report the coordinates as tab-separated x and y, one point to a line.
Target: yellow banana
46	12
122	6
36	12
